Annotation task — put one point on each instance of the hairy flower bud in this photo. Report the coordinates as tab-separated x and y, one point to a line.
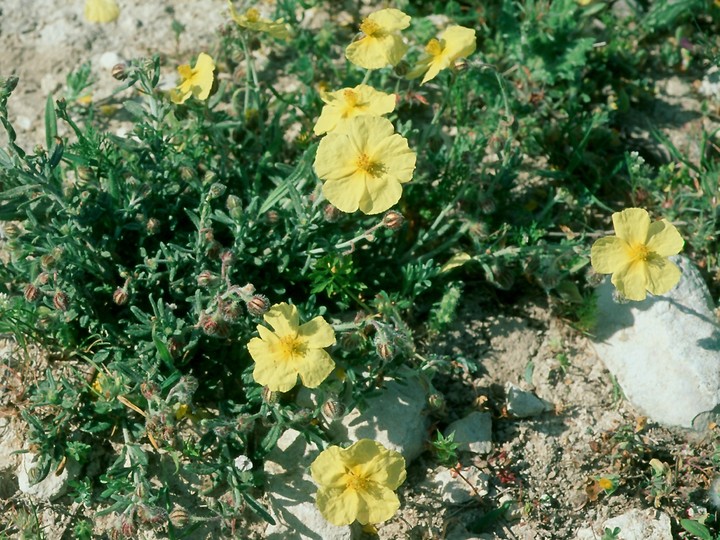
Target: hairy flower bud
331	213
230	311
149	390
333	409
269	396
11	230
393	220
216	190
207	279
258	305
119	72
437	402
31	293
60	301
178	517
152	226
151	514
120	296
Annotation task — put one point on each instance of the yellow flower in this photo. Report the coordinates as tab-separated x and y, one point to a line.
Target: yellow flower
381	43
358	483
196	81
252	20
637	256
351	102
455	42
364	165
101	11
291	350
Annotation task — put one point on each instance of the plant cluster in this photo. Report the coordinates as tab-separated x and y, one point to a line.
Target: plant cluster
250	237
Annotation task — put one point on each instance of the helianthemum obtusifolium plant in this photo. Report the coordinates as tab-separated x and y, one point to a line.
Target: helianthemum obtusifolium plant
304	209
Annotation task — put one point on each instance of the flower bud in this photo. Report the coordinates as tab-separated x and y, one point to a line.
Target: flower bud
149	390
151	514
437	402
234	206
47	262
31	293
207	279
120	296
43	278
331	213
152	226
333	409
216	190
119	72
84	175
60	301
258	305
11	230
393	220
230	311
401	68
178	517
269	396
175	346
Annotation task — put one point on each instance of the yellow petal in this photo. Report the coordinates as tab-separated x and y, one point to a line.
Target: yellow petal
664	239
632	225
609	254
397	157
101	11
390	19
457	260
631	281
203	76
314	366
328	469
378	504
317	333
283	318
375	53
334	157
380	195
459	42
662	275
345	193
379	464
338	506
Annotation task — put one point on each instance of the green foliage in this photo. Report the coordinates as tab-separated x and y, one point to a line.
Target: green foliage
139	261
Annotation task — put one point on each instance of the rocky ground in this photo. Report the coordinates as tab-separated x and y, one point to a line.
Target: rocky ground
543	460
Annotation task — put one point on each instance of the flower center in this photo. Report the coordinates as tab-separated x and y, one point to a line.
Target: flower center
352	103
356	481
434	48
370	28
639	252
253	15
292	347
367	165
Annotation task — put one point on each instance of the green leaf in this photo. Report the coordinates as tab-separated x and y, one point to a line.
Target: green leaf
50	122
696	528
258	508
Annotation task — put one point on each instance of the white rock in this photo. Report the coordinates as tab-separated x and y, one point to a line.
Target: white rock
710	85
108	60
395	418
634	525
455	490
665	350
291	492
523	404
49	488
473	433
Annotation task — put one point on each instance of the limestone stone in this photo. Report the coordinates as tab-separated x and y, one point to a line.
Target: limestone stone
523	404
473	432
665	350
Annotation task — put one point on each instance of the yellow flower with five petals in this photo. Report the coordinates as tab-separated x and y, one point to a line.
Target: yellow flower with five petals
196	81
380	44
351	102
637	255
252	20
101	11
358	482
363	165
291	349
455	42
